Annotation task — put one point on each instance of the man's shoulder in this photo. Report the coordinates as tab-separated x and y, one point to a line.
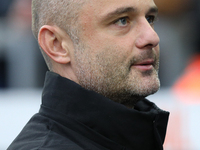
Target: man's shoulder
39	134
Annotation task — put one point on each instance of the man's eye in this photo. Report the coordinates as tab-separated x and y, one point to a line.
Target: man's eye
150	19
122	21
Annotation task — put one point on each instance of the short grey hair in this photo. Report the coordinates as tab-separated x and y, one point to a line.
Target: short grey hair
62	13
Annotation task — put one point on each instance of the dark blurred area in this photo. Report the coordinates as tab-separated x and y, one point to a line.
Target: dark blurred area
4	7
22	65
177	28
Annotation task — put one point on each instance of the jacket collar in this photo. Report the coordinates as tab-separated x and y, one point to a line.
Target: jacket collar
144	125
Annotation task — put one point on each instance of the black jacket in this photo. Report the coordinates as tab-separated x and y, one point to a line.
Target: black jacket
73	118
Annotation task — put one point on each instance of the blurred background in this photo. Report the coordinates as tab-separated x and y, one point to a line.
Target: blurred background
22	70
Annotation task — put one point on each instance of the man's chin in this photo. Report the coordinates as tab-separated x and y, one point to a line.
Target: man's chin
134	98
147	89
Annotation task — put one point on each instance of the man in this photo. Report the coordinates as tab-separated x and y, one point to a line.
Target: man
103	56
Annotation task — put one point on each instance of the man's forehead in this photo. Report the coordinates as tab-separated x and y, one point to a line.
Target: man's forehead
103	7
136	3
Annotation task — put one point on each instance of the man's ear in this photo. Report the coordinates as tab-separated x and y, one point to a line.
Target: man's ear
54	42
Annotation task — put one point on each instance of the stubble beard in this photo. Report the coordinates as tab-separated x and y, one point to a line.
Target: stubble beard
114	80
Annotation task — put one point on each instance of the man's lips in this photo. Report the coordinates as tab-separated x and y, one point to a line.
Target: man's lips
144	65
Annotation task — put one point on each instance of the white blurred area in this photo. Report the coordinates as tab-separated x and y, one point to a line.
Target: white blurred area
183	132
17	107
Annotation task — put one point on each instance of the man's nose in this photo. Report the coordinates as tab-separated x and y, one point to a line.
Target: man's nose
147	37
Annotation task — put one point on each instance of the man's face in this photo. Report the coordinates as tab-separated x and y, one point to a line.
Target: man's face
118	54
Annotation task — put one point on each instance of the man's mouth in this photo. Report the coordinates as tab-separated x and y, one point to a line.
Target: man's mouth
144	65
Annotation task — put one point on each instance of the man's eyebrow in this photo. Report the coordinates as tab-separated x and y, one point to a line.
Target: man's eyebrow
123	10
153	9
118	12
